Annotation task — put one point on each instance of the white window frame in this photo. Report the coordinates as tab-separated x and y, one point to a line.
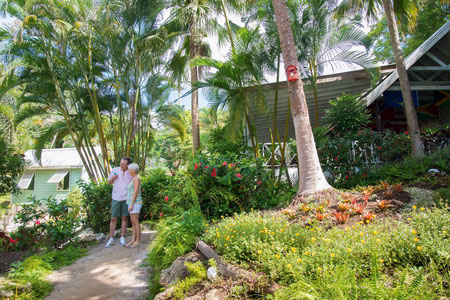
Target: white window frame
32	180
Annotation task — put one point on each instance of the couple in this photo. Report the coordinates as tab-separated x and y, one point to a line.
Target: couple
126	199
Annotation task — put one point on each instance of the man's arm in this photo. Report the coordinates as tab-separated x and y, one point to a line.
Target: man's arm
113	178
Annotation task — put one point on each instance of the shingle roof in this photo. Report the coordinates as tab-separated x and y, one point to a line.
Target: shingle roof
62	158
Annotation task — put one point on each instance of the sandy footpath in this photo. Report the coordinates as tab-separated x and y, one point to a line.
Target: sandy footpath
105	273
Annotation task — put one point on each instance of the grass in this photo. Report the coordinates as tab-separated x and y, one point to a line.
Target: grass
35	268
406	259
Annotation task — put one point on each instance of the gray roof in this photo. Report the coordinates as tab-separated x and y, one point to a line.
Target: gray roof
62	158
328	87
427	65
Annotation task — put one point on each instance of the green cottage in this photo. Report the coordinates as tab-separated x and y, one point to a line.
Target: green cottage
54	175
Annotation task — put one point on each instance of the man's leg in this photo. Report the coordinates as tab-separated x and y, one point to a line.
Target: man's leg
112	227
124	225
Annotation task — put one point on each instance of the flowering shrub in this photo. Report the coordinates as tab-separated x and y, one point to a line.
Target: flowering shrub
48	223
6	242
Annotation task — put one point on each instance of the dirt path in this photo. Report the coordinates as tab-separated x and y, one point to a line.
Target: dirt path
105	273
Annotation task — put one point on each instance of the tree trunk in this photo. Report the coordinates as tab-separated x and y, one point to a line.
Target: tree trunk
410	111
194	98
311	178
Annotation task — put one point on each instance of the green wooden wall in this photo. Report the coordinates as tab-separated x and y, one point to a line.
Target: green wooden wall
42	189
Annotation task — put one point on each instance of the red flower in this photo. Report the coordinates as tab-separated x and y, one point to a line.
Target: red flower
12	241
364	175
160	214
340	145
406	132
195	166
224	164
379	148
200	164
238	175
166	199
37	222
259	182
213	173
231	165
335	159
346	176
206	167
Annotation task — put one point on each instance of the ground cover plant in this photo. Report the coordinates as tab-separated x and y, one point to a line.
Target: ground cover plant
390	259
27	279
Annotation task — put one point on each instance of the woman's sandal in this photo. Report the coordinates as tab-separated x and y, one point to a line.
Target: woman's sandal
133	245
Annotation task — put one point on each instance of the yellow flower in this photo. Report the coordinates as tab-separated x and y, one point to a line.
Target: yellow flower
416	240
353	226
221	217
218	235
312	240
307	253
277	256
227	238
273	232
312	229
289	266
363	241
281	230
375	232
419	248
285	225
314	253
299	260
319	269
232	236
259	251
297	234
367	221
294	249
225	245
414	232
378	240
292	240
207	225
361	222
346	228
262	231
381	261
444	232
409	219
349	250
332	255
422	208
414	207
361	233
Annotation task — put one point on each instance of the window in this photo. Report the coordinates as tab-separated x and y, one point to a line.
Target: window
26	182
62	180
64	184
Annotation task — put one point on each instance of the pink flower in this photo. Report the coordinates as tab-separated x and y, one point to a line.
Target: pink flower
259	182
238	175
200	164
206	167
224	164
166	198
37	222
195	166
160	214
231	165
213	173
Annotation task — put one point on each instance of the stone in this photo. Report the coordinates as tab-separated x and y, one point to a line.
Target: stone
194	298
166	295
178	271
8	288
216	294
211	273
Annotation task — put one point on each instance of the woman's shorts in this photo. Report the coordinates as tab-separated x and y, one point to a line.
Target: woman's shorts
136	209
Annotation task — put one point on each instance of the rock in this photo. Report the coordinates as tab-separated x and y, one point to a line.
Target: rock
166	295
178	271
100	237
211	273
194	298
216	294
434	171
8	288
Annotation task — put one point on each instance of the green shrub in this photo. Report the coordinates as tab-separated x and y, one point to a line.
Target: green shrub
97	204
47	223
176	236
154	186
442	197
197	273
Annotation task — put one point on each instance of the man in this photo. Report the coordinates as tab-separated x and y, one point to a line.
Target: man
120	178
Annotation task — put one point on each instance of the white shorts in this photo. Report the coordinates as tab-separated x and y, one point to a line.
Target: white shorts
136	209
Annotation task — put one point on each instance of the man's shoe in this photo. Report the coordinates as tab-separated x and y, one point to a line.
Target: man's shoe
122	241
110	242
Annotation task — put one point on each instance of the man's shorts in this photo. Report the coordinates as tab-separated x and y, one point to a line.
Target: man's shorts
119	209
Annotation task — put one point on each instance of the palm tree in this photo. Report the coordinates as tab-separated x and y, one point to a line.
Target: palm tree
311	177
406	12
226	87
322	41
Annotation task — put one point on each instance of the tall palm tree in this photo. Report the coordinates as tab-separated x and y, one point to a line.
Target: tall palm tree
311	177
325	42
406	12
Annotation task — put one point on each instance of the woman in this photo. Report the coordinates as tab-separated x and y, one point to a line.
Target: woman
134	201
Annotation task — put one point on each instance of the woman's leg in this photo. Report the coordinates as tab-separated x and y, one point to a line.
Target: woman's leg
133	232
136	230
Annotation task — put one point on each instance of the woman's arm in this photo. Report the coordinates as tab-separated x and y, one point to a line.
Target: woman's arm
136	186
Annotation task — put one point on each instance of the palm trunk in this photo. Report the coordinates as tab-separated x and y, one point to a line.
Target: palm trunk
311	178
410	111
194	97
